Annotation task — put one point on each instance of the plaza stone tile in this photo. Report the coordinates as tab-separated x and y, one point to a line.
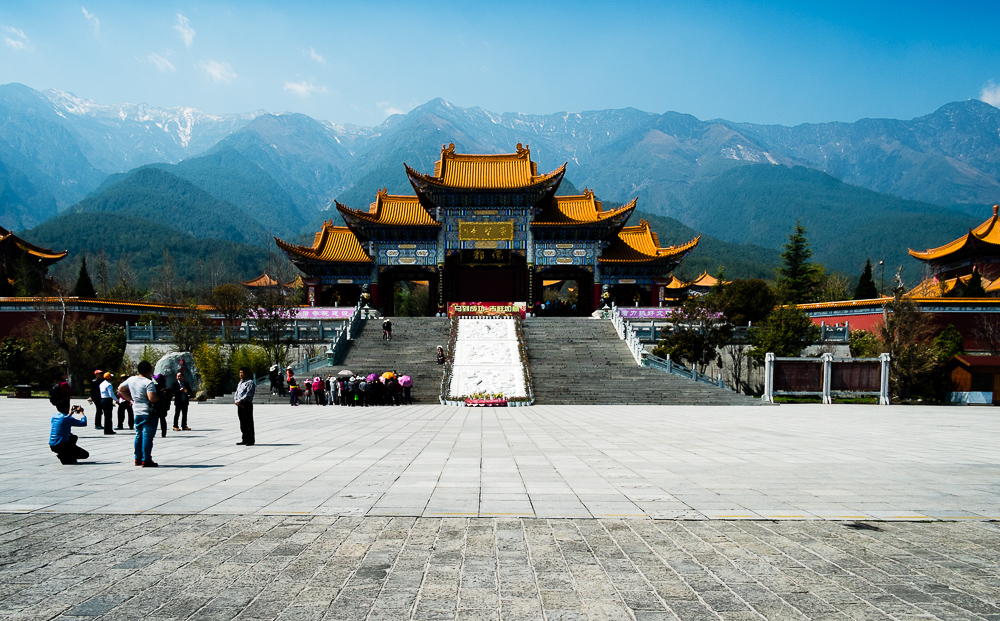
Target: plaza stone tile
590	512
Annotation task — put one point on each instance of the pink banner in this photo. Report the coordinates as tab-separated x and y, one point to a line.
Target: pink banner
325	312
486	309
645	313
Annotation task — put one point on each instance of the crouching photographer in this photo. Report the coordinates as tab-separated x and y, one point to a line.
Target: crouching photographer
61	441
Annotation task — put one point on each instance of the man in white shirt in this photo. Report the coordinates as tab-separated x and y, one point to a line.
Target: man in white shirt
244	406
141	391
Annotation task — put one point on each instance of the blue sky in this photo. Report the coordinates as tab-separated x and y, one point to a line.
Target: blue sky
354	62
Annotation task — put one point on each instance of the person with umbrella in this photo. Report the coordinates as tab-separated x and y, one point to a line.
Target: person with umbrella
407	383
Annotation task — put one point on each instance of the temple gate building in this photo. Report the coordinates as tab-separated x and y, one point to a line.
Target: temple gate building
951	265
24	266
485	228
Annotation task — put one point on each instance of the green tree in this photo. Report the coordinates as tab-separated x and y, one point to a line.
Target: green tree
15	367
211	367
948	344
189	327
249	356
785	332
271	311
866	289
84	287
745	302
59	340
230	301
905	333
864	344
797	276
974	288
696	334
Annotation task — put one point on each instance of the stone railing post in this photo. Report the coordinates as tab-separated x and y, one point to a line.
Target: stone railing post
768	377
827	359
883	394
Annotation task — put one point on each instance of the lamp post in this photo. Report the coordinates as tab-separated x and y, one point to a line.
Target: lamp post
881	290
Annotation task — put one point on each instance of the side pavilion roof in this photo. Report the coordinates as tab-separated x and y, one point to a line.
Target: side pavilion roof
640	244
986	234
332	243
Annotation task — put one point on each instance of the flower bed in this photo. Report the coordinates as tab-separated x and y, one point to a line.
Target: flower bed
486	403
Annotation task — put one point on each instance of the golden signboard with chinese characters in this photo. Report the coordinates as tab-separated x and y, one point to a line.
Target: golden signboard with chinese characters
486	258
485	231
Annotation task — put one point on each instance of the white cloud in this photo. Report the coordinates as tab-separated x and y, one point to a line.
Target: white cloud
220	72
18	40
304	88
991	94
184	29
94	22
316	56
164	65
388	109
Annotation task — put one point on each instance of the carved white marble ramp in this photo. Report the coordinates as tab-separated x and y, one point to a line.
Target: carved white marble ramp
486	359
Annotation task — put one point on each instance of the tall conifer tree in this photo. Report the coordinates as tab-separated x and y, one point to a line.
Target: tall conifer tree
84	288
797	276
866	289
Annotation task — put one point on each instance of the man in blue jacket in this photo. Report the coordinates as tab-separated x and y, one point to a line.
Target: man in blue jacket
61	441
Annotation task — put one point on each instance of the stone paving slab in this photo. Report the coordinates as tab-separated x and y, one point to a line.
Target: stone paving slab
204	566
834	462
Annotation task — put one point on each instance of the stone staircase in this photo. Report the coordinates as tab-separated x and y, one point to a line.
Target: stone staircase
577	360
413	352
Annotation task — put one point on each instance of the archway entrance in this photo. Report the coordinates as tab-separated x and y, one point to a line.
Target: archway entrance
407	292
564	291
471	282
630	295
339	295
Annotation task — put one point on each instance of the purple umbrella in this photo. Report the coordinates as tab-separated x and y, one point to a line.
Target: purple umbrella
372	377
405	381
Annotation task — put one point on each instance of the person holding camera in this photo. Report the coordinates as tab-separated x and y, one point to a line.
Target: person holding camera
61	440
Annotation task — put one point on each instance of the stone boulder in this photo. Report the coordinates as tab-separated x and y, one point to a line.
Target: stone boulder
169	365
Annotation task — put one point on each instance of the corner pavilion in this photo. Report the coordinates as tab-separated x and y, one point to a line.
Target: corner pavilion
486	228
951	265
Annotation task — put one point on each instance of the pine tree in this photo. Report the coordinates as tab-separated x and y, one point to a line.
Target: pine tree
797	277
866	289
84	288
974	288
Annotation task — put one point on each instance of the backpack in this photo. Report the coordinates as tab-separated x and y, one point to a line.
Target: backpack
363	386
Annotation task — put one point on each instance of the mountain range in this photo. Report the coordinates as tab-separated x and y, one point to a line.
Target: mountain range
869	188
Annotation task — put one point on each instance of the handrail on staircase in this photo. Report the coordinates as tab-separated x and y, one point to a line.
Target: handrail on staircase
334	351
643	358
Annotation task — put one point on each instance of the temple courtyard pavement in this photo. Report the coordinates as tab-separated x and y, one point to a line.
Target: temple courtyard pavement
548	512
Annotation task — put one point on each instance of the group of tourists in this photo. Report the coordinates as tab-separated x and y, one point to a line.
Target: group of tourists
350	390
104	396
148	400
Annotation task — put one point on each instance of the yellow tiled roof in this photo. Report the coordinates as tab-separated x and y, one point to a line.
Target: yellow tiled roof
639	244
332	243
265	280
578	209
394	210
706	280
987	232
675	283
934	288
42	253
495	171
